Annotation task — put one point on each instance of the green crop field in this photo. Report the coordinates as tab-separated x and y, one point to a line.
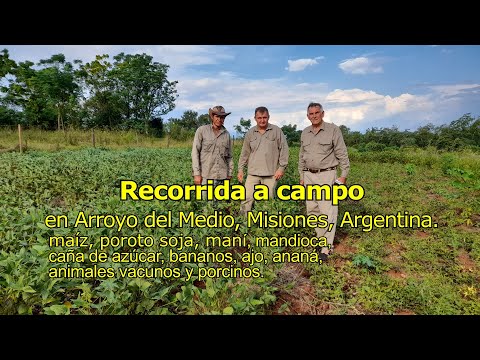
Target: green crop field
81	268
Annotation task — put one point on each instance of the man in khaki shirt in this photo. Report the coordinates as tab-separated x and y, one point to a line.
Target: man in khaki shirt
265	150
322	151
212	156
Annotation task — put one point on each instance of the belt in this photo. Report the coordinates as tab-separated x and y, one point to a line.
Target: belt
314	171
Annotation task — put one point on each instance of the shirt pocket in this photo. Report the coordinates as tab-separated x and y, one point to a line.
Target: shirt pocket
254	142
208	145
272	144
270	136
311	147
323	147
306	145
225	148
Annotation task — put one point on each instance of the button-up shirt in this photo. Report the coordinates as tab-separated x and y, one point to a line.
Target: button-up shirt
212	156
323	150
265	153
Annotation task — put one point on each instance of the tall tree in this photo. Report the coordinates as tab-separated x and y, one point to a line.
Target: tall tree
243	127
95	74
7	116
425	135
190	120
43	94
104	107
292	134
184	128
459	133
143	87
58	83
21	93
6	64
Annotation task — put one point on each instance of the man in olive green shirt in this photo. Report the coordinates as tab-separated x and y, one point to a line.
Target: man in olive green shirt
212	156
322	151
265	150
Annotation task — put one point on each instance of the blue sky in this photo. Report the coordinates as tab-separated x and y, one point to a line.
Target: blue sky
360	86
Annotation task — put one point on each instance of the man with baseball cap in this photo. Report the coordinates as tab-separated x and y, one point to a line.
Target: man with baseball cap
212	153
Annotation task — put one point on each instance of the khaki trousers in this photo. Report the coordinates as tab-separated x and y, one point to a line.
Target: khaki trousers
250	183
320	207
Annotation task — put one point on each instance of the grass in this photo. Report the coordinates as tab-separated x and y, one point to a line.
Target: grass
397	270
42	140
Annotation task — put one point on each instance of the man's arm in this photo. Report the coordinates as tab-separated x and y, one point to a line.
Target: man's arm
196	165
283	158
245	154
230	158
301	162
340	151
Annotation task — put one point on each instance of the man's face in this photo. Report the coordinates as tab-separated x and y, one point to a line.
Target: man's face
262	119
218	121
315	115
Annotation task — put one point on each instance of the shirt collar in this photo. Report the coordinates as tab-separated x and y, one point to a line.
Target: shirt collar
269	127
322	127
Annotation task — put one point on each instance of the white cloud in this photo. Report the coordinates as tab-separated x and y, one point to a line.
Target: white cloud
302	64
356	106
247	93
288	103
347	115
407	103
352	95
456	89
361	66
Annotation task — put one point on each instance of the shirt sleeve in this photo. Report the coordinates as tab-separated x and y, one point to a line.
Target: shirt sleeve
301	162
196	149
283	160
230	153
340	150
245	154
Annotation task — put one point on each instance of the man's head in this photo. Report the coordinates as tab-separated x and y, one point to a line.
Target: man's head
261	117
315	113
217	115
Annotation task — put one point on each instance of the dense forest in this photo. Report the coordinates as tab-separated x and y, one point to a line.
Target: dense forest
133	93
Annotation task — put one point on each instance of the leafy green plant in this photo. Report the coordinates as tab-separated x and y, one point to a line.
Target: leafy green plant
464	178
363	261
410	169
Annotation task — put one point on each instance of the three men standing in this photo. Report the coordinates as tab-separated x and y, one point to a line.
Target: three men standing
265	155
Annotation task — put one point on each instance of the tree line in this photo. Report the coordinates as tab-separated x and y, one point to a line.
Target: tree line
133	92
459	134
130	92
